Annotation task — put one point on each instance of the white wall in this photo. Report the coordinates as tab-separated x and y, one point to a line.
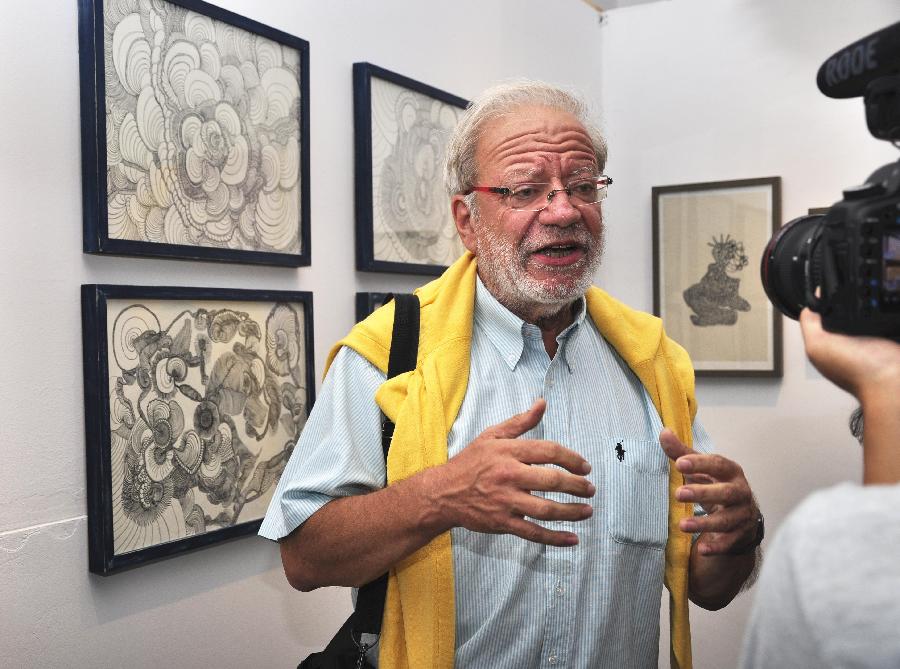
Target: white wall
689	90
229	605
710	90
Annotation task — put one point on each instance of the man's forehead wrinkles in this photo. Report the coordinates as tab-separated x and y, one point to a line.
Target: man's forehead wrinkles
524	150
537	141
530	152
531	164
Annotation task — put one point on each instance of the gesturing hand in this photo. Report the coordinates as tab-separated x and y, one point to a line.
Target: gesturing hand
488	486
718	484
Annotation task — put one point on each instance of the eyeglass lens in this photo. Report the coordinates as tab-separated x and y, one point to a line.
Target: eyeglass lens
536	196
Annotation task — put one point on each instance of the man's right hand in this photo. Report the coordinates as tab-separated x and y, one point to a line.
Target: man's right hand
488	486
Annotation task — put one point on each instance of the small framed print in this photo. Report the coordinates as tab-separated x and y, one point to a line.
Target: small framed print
194	134
708	239
366	303
402	127
194	399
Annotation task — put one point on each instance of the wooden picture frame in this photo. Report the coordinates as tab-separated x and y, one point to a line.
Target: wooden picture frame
708	239
194	134
401	131
194	399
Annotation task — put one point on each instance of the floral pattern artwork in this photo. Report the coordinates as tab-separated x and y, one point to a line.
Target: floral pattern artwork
411	213
206	405
202	131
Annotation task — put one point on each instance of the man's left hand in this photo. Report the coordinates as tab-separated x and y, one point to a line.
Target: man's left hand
719	485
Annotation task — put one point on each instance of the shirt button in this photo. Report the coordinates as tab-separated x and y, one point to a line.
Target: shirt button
552	659
560	590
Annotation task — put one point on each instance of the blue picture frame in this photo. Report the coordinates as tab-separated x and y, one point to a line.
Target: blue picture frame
194	399
366	303
204	155
401	128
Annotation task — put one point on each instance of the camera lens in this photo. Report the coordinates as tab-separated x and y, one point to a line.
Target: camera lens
791	265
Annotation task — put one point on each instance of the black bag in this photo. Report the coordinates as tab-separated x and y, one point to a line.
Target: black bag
341	652
346	649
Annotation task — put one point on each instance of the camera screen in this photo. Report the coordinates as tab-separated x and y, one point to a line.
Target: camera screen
892	262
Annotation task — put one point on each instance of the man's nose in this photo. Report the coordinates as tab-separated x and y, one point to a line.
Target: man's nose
559	210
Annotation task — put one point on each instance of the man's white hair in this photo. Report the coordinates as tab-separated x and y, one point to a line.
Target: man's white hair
460	169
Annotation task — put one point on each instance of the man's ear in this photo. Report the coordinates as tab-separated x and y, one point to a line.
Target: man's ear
462	215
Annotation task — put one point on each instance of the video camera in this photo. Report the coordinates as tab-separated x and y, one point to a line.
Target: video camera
851	254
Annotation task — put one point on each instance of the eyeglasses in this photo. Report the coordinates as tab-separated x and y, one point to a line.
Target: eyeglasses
538	196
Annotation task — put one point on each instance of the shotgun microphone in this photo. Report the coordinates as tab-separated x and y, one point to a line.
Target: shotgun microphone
847	73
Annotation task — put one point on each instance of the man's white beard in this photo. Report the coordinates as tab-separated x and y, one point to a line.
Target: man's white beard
503	270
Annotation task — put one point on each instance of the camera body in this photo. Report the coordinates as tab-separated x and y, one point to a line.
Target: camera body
860	260
845	264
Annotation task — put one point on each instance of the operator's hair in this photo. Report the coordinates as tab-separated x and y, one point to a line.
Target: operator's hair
460	169
856	424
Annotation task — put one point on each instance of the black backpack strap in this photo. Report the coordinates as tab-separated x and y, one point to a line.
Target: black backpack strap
404	349
369	610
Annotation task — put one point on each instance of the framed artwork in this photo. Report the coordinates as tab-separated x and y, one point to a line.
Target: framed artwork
194	399
707	242
401	128
194	134
366	303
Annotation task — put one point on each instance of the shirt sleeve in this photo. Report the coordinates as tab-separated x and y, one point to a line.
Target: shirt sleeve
339	451
702	443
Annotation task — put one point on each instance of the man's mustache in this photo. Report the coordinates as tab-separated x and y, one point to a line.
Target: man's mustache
574	236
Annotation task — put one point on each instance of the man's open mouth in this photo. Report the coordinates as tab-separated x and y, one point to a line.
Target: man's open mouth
559	250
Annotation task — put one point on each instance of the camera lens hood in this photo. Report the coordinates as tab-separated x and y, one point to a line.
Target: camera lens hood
789	269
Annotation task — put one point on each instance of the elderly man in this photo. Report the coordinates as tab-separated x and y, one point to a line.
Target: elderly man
495	559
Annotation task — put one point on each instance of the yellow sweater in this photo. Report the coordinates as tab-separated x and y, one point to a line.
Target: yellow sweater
419	619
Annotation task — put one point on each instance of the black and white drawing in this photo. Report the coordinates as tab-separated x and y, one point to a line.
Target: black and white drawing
195	133
715	299
717	310
403	216
206	399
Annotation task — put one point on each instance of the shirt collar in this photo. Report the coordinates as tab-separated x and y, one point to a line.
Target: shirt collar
507	332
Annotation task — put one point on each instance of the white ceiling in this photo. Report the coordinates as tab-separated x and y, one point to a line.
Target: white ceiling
604	5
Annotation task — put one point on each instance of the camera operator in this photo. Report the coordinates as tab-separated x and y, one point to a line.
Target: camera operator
829	591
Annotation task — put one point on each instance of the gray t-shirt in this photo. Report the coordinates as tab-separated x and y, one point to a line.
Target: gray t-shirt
829	591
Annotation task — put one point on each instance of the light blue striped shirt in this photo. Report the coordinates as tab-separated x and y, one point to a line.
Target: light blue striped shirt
521	604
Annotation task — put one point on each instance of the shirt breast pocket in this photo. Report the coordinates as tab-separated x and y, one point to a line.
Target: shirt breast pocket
636	492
